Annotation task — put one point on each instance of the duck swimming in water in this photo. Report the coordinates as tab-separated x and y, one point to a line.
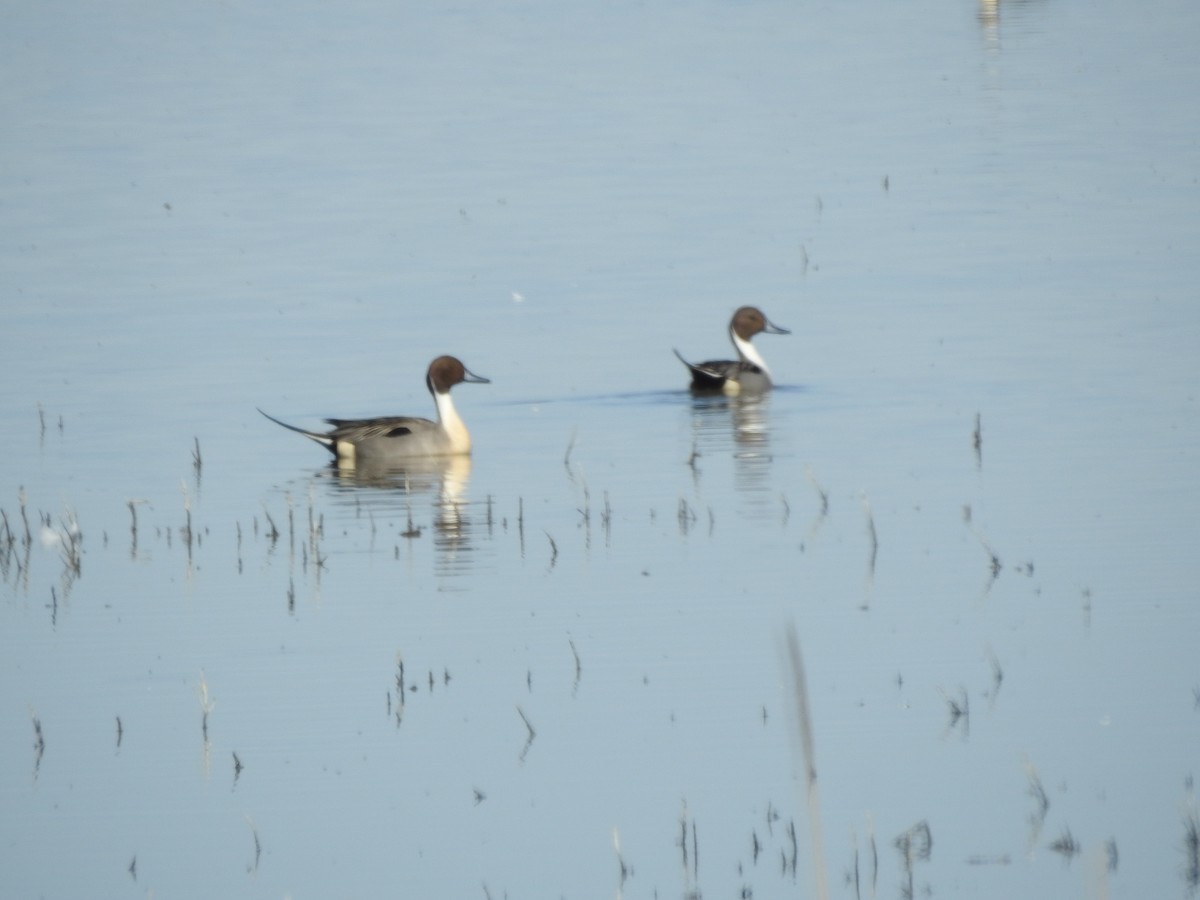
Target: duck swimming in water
748	374
391	440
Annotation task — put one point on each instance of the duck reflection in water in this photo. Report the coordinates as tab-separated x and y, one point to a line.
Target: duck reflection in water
712	414
738	426
390	490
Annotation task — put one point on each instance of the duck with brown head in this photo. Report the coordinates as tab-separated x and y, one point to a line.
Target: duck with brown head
390	440
748	374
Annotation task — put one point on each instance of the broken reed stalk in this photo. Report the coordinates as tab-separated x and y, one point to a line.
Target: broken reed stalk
71	546
316	530
207	705
528	724
691	862
821	492
257	844
273	534
873	535
291	524
578	664
570	447
187	526
1191	849
804	721
133	528
529	739
39	745
25	517
620	859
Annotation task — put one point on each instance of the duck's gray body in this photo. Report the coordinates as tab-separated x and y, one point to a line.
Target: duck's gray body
393	440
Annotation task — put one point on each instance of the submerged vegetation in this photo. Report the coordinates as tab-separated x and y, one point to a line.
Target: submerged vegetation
295	546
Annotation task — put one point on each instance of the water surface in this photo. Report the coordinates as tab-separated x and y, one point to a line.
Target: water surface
559	668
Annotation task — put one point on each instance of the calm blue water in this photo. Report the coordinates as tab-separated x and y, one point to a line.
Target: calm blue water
473	684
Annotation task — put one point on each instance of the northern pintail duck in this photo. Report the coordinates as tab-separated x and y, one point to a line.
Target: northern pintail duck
390	440
748	373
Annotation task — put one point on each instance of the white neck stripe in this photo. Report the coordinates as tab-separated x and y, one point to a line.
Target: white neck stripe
747	352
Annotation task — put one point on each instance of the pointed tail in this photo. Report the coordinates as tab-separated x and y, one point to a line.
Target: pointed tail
322	439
